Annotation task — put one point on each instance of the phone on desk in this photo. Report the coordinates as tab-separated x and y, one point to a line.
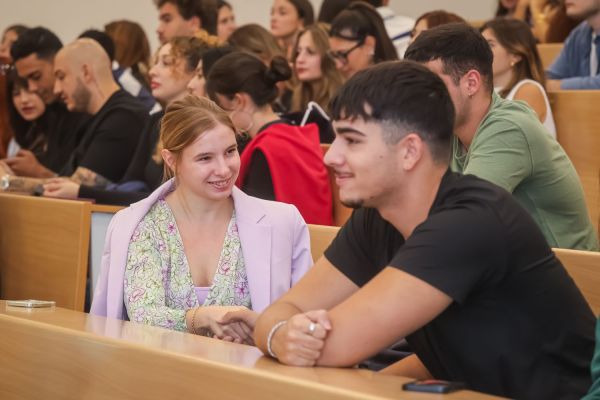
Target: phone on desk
30	303
433	386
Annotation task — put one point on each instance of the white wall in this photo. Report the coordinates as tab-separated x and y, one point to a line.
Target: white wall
68	18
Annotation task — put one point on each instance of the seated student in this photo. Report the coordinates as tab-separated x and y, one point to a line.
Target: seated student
578	64
432	19
123	76
288	17
225	20
397	26
281	162
198	247
503	141
85	83
28	117
517	67
317	79
185	18
197	85
170	75
451	262
132	52
33	54
358	39
254	39
317	76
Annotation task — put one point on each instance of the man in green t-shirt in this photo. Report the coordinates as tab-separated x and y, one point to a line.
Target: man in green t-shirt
503	141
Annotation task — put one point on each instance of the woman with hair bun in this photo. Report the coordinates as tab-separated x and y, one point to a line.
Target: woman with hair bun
281	162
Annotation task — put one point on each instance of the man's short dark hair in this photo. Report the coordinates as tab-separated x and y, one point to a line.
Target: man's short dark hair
103	39
206	10
404	97
460	48
39	41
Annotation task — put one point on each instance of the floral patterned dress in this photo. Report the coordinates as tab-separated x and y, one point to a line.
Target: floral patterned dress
158	286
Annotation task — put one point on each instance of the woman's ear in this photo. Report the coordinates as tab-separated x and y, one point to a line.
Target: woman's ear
370	43
169	159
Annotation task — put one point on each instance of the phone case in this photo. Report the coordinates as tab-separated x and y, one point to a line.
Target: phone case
433	386
30	303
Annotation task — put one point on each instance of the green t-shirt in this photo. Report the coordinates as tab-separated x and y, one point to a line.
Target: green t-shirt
512	150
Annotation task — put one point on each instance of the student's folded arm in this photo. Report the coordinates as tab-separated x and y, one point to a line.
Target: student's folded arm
321	287
391	306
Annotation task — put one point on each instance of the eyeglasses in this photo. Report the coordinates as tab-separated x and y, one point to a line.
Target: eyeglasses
342	55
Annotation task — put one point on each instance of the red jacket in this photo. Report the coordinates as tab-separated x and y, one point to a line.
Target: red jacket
297	170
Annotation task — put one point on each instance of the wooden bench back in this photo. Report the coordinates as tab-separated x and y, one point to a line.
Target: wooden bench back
578	131
44	249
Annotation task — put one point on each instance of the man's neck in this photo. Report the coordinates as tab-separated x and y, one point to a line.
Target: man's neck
412	203
100	96
478	108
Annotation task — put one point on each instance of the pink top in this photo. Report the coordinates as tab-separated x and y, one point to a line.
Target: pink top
202	293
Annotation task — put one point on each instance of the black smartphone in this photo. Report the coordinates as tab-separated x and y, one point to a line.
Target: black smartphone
433	386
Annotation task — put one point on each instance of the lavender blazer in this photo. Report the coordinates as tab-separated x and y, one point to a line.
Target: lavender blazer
274	239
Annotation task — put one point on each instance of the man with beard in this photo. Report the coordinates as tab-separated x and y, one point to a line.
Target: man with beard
85	83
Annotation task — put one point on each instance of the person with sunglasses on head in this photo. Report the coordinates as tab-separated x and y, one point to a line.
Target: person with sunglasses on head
358	39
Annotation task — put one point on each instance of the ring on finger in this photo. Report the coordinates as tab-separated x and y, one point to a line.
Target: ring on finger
311	328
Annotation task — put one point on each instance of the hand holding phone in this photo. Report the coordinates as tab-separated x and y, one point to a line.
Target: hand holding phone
433	386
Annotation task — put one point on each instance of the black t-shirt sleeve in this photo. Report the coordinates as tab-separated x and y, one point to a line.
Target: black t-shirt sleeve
144	151
457	251
258	182
113	145
363	246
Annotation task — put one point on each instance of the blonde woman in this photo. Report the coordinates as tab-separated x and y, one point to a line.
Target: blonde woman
197	247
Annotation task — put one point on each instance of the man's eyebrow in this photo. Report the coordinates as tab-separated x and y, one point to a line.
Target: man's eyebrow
347	129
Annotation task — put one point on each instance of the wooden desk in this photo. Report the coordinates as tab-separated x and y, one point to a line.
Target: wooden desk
59	353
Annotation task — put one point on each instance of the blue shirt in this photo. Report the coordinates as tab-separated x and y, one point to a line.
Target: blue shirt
572	66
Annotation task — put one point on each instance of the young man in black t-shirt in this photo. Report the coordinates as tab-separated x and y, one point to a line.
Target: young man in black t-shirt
453	263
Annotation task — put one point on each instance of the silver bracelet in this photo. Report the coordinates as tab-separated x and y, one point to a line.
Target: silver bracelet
270	337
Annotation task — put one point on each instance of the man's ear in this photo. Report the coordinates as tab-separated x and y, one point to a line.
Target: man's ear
411	151
87	73
472	82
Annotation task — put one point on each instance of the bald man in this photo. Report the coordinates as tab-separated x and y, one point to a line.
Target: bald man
85	83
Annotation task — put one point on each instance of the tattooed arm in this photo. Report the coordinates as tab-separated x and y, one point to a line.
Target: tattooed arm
88	177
